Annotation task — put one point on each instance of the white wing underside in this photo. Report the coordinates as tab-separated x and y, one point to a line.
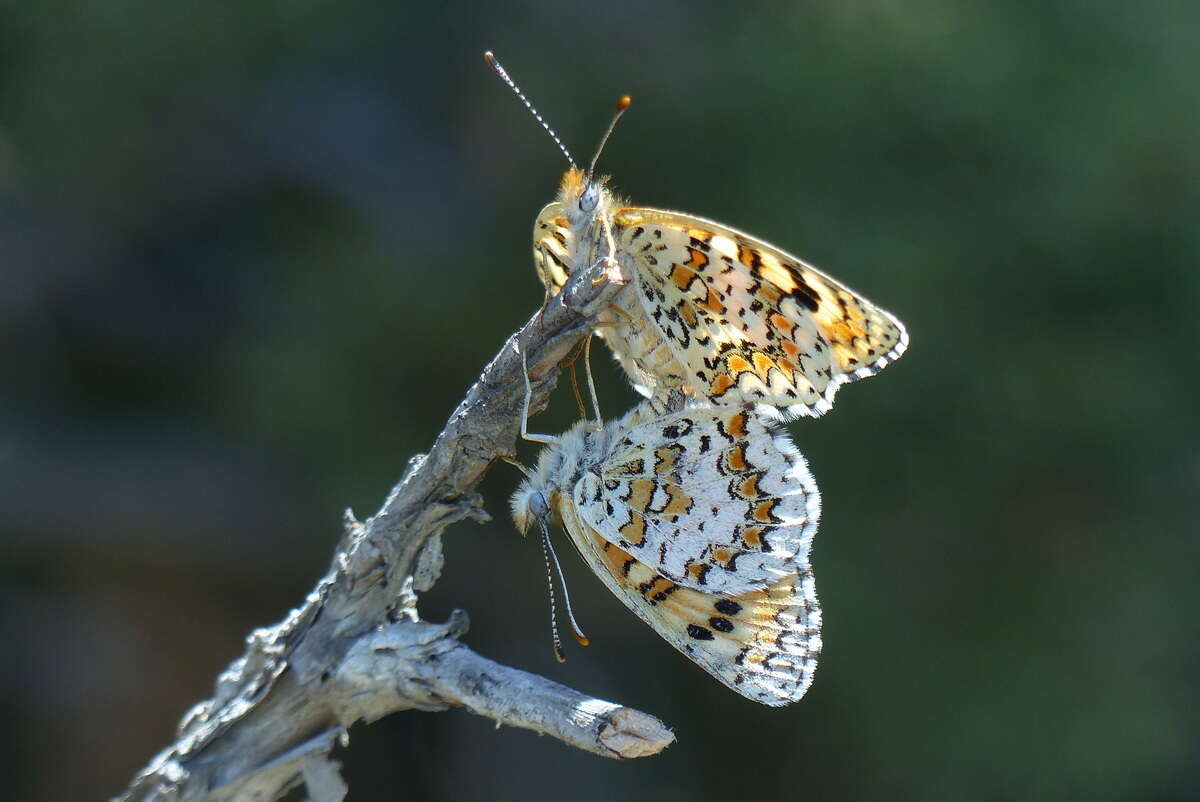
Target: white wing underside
708	497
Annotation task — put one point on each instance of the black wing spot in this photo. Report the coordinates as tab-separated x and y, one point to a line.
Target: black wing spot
728	607
699	633
721	624
805	294
662	595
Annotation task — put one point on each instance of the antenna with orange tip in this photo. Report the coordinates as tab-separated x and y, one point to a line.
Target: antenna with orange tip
622	105
552	558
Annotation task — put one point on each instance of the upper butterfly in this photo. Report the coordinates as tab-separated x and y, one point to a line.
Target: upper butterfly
708	309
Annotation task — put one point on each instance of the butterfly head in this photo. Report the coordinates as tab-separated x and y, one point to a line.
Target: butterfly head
566	229
581	197
530	504
541	495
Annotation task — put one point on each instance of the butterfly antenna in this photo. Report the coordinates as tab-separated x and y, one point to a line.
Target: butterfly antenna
490	58
622	105
551	555
546	550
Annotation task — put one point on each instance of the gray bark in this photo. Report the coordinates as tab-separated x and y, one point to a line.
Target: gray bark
357	649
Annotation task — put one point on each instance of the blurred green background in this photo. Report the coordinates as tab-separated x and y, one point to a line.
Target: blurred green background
253	254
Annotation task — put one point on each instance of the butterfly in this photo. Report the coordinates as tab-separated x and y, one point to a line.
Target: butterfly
708	309
712	310
700	520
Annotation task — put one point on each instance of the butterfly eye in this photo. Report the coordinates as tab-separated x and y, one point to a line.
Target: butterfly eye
538	505
589	199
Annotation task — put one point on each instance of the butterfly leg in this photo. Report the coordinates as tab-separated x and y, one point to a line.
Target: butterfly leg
585	348
612	268
598	426
525	435
626	320
542	312
570	362
515	463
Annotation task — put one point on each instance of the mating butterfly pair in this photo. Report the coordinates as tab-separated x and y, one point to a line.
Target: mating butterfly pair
695	509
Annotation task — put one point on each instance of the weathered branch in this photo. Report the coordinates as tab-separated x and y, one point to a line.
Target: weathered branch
357	649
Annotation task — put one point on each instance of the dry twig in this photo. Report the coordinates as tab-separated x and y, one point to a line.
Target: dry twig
357	648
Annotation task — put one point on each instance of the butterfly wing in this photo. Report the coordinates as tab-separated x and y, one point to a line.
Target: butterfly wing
763	644
711	498
745	320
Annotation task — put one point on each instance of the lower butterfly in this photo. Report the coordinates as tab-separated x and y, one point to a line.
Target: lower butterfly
700	520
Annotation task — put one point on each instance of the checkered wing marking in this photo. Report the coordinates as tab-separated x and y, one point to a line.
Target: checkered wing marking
764	643
747	320
710	498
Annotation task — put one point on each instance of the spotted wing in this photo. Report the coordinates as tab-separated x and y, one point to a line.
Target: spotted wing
709	497
747	321
763	643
